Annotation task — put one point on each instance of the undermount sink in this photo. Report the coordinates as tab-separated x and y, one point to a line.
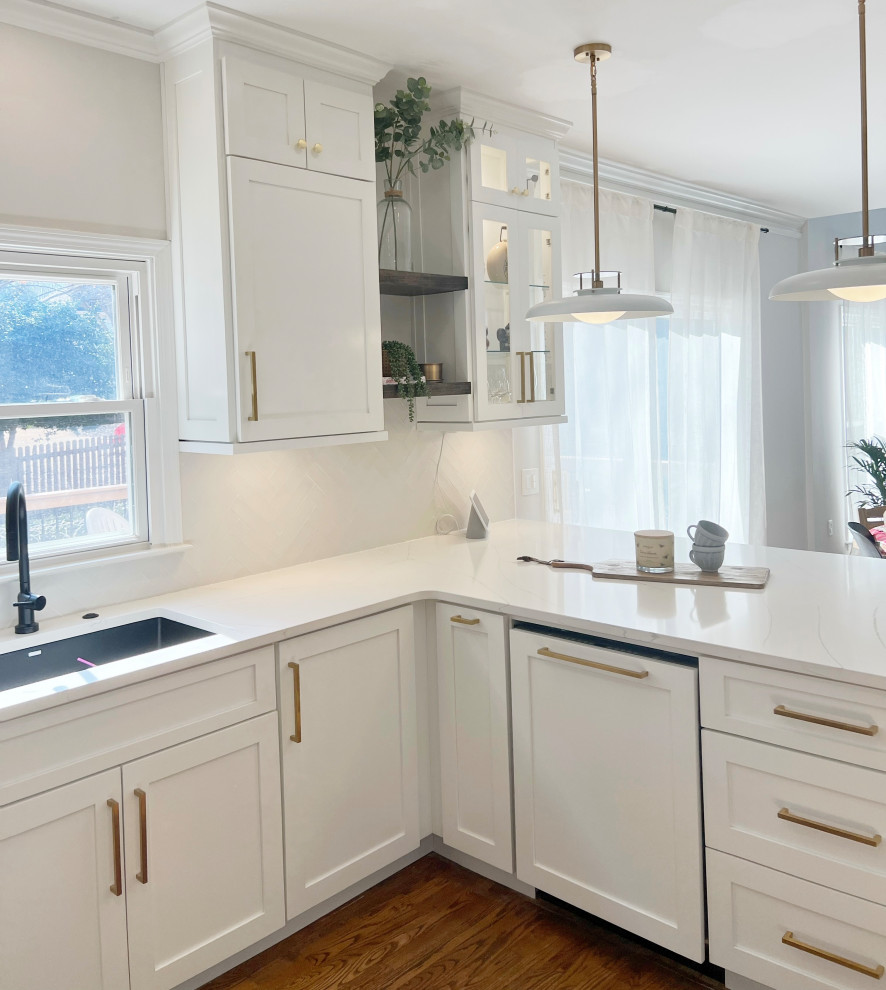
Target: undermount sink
80	653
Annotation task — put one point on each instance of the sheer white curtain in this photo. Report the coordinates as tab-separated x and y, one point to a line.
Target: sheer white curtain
610	468
864	369
715	434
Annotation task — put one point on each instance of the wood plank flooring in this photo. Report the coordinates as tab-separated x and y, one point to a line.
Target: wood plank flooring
436	926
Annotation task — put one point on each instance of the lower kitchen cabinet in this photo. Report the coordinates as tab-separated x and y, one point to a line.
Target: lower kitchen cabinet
475	768
62	926
203	852
349	744
606	785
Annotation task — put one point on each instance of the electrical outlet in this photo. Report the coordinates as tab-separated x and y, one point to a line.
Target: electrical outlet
530	481
830	527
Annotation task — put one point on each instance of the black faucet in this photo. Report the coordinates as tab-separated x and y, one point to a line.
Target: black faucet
17	549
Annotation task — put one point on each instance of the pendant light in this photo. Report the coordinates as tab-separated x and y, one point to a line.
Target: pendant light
598	304
858	279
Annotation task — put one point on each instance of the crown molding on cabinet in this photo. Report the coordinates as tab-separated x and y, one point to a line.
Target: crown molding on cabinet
209	20
467	103
676	193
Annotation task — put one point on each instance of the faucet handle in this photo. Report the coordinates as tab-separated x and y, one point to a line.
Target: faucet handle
36	602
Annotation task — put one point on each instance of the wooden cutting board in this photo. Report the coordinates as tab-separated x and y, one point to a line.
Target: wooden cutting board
726	577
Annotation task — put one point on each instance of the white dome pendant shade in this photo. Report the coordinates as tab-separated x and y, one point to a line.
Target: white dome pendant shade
858	279
598	304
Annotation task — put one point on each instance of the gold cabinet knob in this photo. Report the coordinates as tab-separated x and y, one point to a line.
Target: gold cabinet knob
525	192
317	148
515	191
301	144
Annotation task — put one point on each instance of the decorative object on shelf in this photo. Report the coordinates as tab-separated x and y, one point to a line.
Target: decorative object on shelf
432	372
708	544
654	549
599	303
403	367
497	259
504	337
870	460
478	521
727	577
398	146
861	278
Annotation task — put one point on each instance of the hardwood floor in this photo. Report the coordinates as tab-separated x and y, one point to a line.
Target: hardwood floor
436	926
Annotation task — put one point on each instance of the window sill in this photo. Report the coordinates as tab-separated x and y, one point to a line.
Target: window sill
92	558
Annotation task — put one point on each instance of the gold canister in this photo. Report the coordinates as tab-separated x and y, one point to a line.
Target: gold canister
432	372
655	550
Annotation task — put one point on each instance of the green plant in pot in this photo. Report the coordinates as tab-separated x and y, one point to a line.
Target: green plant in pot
871	460
399	146
406	372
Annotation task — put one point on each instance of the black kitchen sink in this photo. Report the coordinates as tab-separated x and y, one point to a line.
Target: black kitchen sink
81	653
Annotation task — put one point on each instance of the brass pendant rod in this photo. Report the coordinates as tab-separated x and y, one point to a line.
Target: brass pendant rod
597	282
867	247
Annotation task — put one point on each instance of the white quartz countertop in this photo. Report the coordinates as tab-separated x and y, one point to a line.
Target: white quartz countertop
820	614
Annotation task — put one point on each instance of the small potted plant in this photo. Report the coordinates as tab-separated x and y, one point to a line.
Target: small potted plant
400	363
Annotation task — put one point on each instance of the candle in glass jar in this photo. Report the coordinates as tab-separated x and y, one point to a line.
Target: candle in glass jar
655	550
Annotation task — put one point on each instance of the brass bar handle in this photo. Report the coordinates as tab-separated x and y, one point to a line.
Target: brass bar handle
254	417
463	621
531	376
863	730
296	687
522	376
142	875
875	971
117	885
545	652
786	815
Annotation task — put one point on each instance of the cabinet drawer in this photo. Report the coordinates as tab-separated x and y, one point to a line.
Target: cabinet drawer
841	721
772	805
754	912
53	747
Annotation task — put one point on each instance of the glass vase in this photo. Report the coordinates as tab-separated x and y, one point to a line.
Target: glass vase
394	230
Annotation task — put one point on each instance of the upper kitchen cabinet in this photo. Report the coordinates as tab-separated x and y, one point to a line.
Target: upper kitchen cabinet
516	171
281	117
272	218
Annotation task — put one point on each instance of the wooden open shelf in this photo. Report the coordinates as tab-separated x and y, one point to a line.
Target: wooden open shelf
434	388
393	283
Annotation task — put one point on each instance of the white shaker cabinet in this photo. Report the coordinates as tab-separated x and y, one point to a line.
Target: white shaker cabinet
472	691
62	909
203	852
349	744
606	785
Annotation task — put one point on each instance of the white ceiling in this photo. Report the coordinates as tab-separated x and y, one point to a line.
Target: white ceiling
758	98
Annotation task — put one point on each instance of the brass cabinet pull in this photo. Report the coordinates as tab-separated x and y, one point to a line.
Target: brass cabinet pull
254	417
117	885
296	686
301	144
142	875
869	840
317	148
463	621
522	376
875	971
531	376
545	652
863	730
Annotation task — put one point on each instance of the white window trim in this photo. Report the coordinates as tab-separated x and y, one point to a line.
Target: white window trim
150	261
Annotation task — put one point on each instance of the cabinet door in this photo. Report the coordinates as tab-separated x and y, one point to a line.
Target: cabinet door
61	924
475	767
350	776
341	131
494	172
204	852
306	303
499	383
606	786
539	345
264	113
537	175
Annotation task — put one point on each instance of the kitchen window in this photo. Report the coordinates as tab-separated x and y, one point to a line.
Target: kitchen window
76	427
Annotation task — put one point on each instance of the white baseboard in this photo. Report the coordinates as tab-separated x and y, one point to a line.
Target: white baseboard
481	868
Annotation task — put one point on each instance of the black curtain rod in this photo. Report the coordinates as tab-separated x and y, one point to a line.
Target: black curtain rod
670	209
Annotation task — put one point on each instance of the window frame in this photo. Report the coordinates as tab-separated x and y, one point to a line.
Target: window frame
141	269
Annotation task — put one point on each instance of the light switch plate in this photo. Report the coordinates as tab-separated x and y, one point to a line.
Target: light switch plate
529	481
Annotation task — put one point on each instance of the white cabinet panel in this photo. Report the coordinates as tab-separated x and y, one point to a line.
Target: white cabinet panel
341	131
205	860
264	113
61	926
306	302
606	786
349	737
474	752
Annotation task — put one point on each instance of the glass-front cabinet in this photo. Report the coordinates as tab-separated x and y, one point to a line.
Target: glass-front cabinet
515	171
519	364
